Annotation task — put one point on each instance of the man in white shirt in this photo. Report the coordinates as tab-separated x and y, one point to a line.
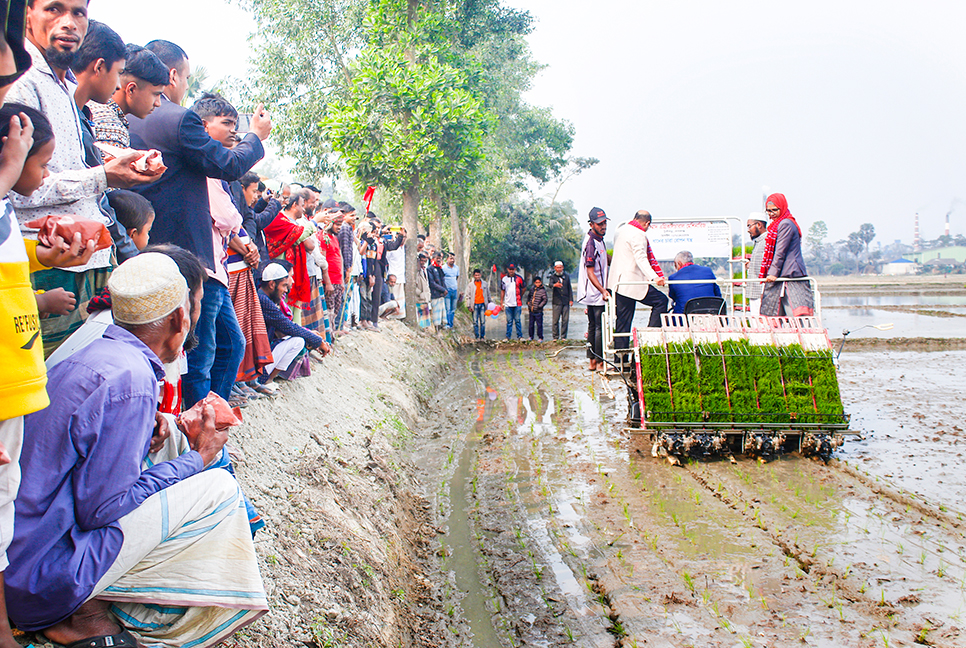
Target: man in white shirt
634	262
511	288
72	188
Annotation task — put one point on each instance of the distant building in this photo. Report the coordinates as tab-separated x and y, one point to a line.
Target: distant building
955	252
900	267
941	264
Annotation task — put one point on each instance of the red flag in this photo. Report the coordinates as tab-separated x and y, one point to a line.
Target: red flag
370	194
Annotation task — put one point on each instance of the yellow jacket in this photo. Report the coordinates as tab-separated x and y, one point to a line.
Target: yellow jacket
23	378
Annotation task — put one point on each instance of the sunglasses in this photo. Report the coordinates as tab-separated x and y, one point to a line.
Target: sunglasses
773	211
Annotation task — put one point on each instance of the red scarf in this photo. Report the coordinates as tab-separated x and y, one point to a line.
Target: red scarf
778	200
281	237
655	266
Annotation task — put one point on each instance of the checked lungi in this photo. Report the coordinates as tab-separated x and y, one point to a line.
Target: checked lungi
312	312
439	311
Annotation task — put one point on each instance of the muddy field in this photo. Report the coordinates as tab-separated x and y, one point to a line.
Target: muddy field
560	529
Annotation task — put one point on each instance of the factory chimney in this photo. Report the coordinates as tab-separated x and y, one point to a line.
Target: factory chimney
916	245
947	223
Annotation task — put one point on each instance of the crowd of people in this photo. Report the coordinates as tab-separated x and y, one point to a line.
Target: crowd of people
156	281
633	275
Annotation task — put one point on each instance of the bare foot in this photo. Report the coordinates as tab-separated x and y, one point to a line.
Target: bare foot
90	620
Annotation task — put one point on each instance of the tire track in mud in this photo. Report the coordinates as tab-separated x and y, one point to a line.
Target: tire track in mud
874	590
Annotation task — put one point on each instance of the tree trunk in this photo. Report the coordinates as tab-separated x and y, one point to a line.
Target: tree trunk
435	237
467	247
457	245
411	225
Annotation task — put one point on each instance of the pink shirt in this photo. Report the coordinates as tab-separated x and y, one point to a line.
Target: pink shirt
225	224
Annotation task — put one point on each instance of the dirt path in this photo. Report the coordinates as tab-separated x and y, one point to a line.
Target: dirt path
562	530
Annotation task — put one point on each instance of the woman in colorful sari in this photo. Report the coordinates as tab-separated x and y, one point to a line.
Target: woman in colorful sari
783	260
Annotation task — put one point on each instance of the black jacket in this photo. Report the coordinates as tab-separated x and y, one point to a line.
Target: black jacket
180	197
562	295
437	281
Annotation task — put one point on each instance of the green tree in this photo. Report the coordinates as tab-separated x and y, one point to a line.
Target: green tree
302	57
855	244
409	117
867	234
434	86
816	237
531	234
525	144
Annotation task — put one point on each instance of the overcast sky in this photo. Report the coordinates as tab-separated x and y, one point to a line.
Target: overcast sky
856	111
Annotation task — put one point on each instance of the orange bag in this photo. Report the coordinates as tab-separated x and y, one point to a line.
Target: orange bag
190	421
66	226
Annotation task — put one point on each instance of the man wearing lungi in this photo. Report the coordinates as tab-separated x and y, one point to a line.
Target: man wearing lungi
106	549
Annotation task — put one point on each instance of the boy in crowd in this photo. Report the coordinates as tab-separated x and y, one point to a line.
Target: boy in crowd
142	82
538	299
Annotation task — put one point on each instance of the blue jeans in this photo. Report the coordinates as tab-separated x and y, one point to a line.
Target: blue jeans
452	298
513	315
213	364
479	320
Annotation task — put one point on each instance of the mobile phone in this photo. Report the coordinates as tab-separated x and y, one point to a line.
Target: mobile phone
244	123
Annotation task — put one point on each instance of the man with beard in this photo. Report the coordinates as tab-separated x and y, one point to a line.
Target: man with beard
104	524
55	31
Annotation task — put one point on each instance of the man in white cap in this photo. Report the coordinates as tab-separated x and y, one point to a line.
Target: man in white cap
94	528
287	338
562	298
757	224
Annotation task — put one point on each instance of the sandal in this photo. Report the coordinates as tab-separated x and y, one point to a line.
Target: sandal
269	389
123	639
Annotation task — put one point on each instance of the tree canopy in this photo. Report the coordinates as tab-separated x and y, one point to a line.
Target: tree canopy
423	98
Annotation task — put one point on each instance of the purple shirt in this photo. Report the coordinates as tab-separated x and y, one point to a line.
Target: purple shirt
81	465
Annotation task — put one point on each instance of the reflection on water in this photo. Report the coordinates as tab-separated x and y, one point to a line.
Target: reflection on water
920	299
905	324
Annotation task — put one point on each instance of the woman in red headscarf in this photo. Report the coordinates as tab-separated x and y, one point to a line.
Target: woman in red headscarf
783	260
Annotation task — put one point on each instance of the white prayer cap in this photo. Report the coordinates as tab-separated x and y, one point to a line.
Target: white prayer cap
558	263
146	288
274	272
